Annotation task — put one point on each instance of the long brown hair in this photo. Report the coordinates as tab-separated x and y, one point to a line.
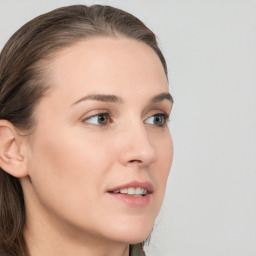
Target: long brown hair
23	82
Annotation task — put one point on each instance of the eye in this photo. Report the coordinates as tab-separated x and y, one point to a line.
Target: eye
159	119
98	119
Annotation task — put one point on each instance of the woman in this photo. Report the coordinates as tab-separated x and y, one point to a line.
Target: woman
85	148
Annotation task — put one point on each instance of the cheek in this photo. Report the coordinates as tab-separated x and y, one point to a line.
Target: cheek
165	155
67	171
163	165
168	155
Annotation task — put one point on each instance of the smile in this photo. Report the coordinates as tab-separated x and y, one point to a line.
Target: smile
134	194
131	191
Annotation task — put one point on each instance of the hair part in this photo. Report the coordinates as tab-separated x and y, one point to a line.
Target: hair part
25	80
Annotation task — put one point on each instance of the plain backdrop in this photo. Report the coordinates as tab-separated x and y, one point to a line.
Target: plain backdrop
210	46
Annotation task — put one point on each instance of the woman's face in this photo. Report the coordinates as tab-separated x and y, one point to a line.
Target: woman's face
101	133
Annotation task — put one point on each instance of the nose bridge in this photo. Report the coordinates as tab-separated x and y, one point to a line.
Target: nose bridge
136	146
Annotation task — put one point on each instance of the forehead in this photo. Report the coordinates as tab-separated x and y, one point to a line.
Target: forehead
107	63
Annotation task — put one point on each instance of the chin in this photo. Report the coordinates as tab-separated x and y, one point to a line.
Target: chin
133	238
137	239
132	232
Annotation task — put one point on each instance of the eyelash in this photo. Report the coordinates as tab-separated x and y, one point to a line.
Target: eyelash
163	116
163	123
101	114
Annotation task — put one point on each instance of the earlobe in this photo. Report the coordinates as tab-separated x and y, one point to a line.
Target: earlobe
12	160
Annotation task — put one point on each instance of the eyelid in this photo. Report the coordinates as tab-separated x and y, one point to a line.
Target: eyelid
159	107
162	114
106	112
158	112
94	114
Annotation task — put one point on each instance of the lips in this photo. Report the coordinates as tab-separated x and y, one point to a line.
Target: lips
134	194
134	187
132	191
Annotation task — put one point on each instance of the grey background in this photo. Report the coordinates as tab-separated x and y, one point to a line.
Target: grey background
210	205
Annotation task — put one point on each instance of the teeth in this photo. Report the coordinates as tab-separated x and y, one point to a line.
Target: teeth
124	191
139	191
131	191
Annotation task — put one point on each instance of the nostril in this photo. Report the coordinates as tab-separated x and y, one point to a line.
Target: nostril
135	161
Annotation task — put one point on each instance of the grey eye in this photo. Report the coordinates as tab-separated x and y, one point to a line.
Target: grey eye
158	119
99	119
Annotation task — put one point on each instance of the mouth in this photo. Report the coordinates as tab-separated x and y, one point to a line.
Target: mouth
131	191
136	194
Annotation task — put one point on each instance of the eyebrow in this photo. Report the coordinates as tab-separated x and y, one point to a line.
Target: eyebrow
161	97
100	97
116	99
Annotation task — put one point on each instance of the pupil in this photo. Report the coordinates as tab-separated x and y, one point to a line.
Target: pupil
159	120
102	119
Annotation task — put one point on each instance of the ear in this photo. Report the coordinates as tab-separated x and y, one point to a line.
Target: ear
12	160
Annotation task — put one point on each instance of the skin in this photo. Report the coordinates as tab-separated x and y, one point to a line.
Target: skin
72	160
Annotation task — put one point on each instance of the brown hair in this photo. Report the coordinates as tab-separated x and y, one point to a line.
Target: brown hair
23	82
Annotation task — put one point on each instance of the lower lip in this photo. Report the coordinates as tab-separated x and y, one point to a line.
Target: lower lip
133	201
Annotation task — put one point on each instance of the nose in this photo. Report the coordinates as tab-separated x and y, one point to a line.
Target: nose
136	147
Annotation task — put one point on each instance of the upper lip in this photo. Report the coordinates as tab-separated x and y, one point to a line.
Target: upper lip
134	184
